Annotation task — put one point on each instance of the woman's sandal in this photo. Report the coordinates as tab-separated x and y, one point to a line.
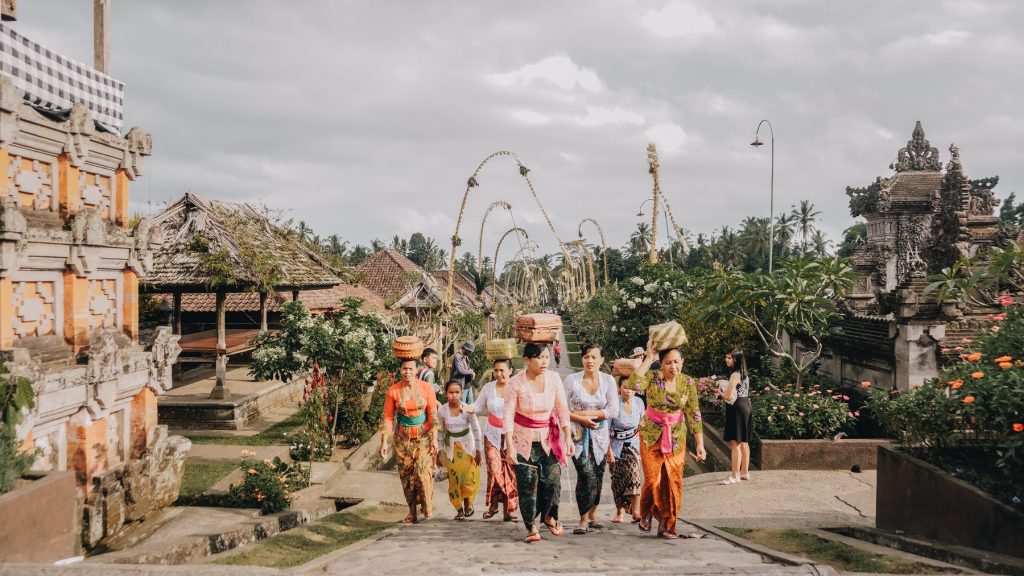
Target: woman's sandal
644	525
557	529
460	515
636	519
730	480
534	537
669	535
470	511
745	477
409	519
510	518
579	530
618	520
489	514
596	526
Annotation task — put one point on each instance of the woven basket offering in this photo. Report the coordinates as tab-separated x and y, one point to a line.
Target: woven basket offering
624	367
407	348
503	349
668	335
538	328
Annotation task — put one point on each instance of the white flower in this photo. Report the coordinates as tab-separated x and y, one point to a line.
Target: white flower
631	304
637	280
668	285
650	287
615	309
647	300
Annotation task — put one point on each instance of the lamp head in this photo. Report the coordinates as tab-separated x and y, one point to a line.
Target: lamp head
757	142
640	213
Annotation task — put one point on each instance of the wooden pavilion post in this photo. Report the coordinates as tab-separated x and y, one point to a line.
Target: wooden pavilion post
263	311
220	389
176	319
295	295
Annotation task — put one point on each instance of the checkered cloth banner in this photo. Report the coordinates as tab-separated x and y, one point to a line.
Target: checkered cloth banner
53	82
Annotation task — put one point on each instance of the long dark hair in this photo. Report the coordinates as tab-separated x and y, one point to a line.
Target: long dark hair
739	362
533	350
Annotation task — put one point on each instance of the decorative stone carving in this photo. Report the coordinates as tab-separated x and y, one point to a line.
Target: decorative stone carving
35	311
80	130
104	302
918	155
10	100
32	182
139	144
163	354
96	192
911	239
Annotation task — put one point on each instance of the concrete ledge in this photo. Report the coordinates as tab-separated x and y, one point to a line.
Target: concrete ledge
775	555
921	500
190	413
40	520
821	454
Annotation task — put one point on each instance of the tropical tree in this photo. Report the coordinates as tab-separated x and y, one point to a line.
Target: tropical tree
797	299
640	241
804	216
819	242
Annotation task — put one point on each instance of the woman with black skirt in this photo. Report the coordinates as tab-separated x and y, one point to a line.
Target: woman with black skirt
738	425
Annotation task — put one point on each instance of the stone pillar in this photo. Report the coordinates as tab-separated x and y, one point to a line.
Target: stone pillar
143	421
220	390
130	308
263	311
916	357
68	193
76	311
120	185
87	448
101	35
6	317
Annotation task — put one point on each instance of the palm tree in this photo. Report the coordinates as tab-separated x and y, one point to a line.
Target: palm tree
304	231
805	215
784	227
640	241
754	235
820	243
729	248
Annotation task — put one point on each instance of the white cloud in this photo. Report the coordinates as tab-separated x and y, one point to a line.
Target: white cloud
679	19
596	116
558	70
669	137
531	117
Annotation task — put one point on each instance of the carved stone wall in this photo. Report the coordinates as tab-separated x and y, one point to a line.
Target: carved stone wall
69	268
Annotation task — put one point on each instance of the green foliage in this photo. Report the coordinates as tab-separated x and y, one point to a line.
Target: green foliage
313	441
268	485
1012	214
856	233
796	299
351	348
979	401
785	410
13	461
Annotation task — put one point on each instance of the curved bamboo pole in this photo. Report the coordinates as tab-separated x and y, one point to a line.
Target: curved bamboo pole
604	246
581	247
483	221
675	226
494	277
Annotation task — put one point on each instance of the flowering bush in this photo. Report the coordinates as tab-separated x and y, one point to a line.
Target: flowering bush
268	485
978	402
788	412
346	351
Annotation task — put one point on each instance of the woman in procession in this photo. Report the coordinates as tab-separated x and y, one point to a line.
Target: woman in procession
410	416
624	453
461	450
501	478
537	439
738	423
672	406
593	401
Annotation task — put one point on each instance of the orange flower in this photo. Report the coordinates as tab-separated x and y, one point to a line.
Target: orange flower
252	470
954	384
969	400
977	375
1005	365
1003	359
865	384
1018	427
974	357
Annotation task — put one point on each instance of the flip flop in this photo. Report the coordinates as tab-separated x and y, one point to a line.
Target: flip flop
470	511
489	514
410	519
531	538
510	518
557	529
635	519
618	521
644	525
579	531
597	526
669	535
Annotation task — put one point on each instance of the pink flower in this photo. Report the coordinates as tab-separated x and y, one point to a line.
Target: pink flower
849	414
857	413
815	406
767	388
967	340
1005	300
994	328
800	413
947	350
795	395
958	348
999	317
845	397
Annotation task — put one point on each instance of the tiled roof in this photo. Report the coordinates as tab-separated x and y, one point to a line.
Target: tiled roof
196	227
315	300
389	274
916	185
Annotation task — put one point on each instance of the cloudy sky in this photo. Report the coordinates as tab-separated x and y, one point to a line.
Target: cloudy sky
365	118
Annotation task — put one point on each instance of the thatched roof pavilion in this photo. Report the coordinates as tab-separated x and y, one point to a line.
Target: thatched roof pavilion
221	247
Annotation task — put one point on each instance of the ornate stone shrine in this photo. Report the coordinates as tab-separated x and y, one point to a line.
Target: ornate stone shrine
69	266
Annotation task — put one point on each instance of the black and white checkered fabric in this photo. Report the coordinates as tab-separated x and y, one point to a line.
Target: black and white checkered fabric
53	82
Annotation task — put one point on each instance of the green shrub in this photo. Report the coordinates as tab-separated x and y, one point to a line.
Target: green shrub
268	485
13	462
16	396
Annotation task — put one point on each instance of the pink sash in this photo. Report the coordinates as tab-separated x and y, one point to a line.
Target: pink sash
666	421
554	432
495	420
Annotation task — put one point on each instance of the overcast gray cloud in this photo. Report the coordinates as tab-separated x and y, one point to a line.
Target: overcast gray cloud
366	118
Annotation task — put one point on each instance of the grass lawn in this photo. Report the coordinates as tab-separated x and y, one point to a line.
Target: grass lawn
199	477
840	556
309	542
276	434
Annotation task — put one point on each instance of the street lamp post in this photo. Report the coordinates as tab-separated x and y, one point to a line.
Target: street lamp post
771	205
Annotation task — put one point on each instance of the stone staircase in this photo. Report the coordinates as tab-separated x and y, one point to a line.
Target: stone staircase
50	352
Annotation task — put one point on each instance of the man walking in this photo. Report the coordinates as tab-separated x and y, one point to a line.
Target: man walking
461	371
427	371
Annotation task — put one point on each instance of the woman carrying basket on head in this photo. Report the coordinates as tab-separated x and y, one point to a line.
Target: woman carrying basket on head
671	408
501	478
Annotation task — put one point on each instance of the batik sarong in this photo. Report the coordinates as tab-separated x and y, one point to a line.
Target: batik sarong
626	477
463	476
415	466
589	477
662	492
539	481
501	480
